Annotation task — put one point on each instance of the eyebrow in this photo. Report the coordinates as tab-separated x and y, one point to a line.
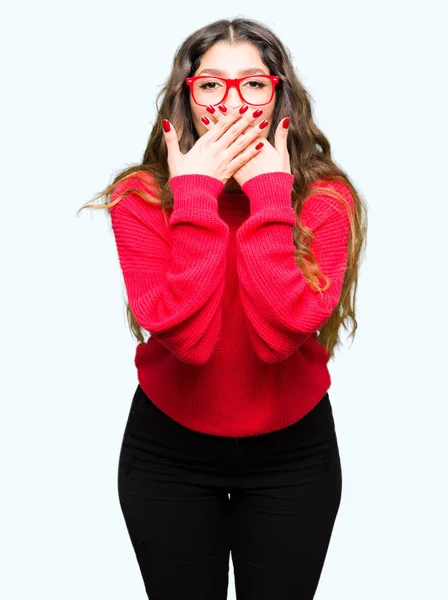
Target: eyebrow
218	72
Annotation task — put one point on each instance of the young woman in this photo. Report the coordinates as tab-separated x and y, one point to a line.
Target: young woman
239	242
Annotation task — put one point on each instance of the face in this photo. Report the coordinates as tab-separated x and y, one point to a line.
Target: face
232	61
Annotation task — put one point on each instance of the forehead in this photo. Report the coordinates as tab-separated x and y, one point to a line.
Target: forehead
226	59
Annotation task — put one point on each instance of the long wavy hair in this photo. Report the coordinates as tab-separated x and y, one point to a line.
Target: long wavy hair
309	151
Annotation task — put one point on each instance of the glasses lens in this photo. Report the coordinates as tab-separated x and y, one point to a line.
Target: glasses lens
254	90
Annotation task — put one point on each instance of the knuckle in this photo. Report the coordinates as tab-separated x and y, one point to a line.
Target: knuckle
241	141
254	133
234	130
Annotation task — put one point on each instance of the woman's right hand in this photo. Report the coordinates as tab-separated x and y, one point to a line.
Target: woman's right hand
219	152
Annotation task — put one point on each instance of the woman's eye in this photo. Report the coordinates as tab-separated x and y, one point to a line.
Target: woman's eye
208	85
257	84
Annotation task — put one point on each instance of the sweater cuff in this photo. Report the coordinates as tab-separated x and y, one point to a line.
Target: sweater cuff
269	189
196	191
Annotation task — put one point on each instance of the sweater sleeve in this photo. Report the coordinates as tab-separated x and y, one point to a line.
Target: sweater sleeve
174	283
281	309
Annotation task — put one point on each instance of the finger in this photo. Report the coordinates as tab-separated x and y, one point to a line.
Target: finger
171	140
281	137
216	112
207	121
243	157
245	138
234	130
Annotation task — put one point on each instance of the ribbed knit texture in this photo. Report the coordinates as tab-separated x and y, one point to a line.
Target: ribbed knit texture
232	321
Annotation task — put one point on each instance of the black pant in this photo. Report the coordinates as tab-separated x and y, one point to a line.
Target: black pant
174	486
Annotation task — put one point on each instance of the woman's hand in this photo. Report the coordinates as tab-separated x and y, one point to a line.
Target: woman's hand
220	152
268	159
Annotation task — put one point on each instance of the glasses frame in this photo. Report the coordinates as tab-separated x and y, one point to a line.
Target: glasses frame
231	83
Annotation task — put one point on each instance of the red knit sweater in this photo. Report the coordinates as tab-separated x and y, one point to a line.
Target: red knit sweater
232	348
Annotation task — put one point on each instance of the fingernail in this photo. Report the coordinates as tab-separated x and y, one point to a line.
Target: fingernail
222	108
205	120
257	113
286	122
166	125
258	146
243	109
210	108
263	124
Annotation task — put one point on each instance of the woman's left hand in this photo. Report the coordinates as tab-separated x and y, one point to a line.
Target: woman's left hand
269	158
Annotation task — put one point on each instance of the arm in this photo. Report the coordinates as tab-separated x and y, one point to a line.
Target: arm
281	309
174	289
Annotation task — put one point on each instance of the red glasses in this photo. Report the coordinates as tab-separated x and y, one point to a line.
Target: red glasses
254	89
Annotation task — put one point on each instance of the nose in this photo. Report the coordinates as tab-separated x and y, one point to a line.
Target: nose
233	98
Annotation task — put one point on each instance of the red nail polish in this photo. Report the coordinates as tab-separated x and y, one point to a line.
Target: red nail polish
257	113
205	120
258	146
286	123
210	108
222	108
243	109
166	125
263	124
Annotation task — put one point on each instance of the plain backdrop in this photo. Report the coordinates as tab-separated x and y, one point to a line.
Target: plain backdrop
79	81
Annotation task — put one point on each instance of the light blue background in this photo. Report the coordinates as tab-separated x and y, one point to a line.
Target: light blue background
79	85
